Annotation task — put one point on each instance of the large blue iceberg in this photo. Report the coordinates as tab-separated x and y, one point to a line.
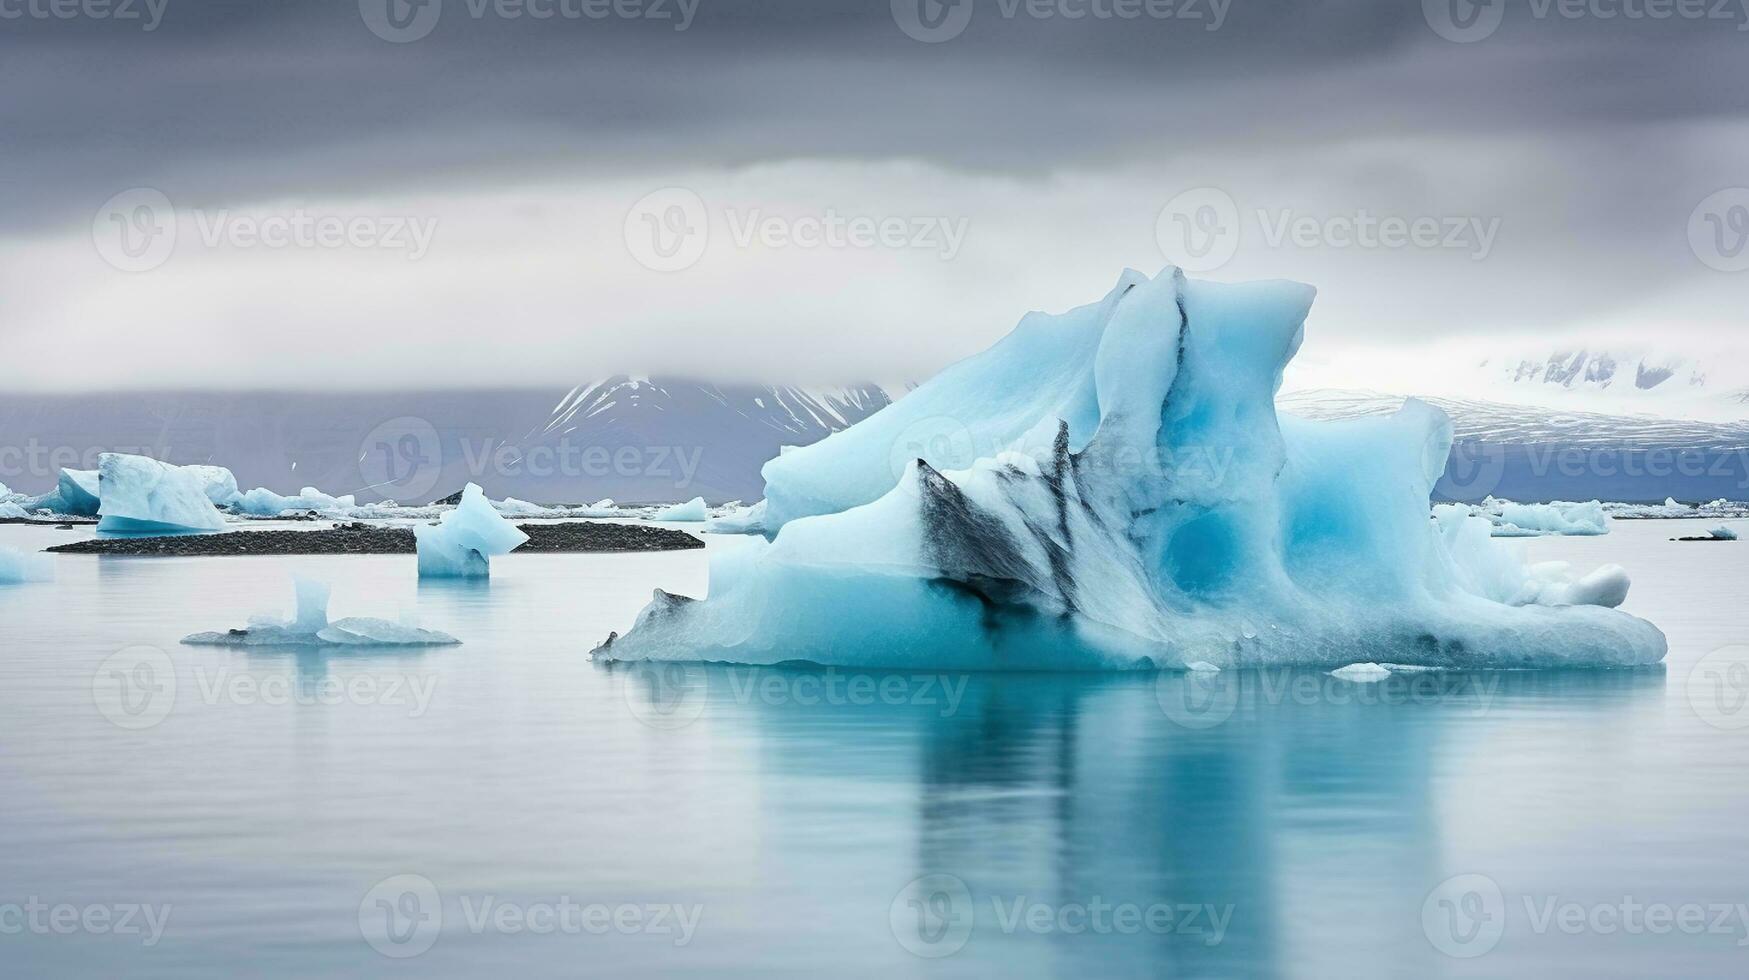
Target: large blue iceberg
140	495
1112	488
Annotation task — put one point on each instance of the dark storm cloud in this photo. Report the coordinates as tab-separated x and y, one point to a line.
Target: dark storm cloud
222	99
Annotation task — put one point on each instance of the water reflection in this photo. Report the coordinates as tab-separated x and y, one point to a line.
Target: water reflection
1304	808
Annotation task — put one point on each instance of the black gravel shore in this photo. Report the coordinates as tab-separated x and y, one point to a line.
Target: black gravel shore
367	539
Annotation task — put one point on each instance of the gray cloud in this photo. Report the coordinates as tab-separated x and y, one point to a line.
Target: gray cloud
1589	137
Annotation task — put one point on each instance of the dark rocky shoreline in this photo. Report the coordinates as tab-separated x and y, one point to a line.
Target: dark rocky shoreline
367	539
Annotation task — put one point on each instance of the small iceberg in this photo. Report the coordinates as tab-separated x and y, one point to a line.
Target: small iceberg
139	495
464	540
1367	673
1720	533
1513	520
262	502
75	495
18	567
309	626
692	510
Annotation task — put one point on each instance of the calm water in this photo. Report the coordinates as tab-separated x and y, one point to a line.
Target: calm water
505	807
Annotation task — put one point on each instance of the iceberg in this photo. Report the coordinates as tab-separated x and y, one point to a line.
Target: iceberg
10	511
463	541
262	502
75	495
692	510
139	495
309	626
1111	488
17	567
1514	520
740	520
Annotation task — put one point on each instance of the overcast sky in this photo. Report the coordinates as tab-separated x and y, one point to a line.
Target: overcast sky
372	193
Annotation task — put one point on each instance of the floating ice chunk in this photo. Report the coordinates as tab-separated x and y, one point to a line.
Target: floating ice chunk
1202	667
1561	517
139	495
463	541
75	495
1367	673
692	510
309	626
1723	533
12	512
17	567
601	508
1164	513
1555	586
743	520
262	502
511	507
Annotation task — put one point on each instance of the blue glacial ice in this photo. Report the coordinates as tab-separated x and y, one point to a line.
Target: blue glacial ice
692	510
75	495
1515	520
464	540
139	495
309	626
17	567
262	502
1112	488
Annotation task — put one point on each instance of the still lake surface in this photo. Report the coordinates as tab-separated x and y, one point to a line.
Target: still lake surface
506	807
